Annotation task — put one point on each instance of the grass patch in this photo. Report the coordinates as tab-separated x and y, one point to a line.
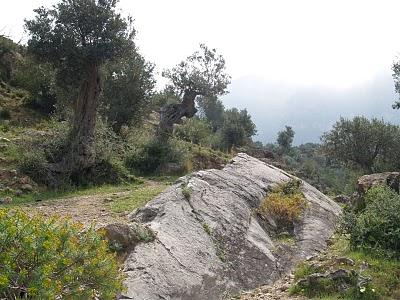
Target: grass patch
285	238
384	273
137	198
62	194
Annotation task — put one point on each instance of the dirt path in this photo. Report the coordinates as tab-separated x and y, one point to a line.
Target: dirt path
84	209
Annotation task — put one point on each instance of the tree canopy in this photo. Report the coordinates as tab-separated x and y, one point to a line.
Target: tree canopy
285	139
128	90
77	37
201	74
237	128
74	34
361	142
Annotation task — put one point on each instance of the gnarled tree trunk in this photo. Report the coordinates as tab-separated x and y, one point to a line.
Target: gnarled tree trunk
82	152
173	114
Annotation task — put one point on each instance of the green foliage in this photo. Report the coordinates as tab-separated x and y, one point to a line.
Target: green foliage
7	57
4	114
285	139
194	130
365	143
212	109
39	80
147	158
237	128
207	228
186	192
202	73
377	227
128	89
49	259
40	163
143	234
383	274
308	162
396	77
73	35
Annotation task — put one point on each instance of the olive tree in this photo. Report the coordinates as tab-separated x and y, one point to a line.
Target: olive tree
201	74
237	128
78	37
361	142
128	90
285	139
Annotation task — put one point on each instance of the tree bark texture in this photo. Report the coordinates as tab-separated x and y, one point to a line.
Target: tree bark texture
173	114
82	152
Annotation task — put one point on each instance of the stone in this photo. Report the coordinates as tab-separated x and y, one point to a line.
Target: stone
391	179
121	234
237	252
343	199
18	193
27	187
6	200
345	261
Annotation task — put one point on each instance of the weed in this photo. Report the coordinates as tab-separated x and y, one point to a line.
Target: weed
207	228
186	192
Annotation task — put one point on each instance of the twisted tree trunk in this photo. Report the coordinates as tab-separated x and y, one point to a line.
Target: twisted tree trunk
173	114
82	152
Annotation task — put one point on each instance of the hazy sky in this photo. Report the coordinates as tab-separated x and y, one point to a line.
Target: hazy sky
336	44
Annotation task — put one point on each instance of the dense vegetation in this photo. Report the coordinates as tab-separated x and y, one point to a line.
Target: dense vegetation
79	107
48	259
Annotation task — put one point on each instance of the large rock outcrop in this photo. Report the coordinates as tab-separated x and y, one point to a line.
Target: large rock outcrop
391	179
210	241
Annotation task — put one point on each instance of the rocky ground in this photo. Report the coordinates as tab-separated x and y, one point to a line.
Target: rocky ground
210	242
275	291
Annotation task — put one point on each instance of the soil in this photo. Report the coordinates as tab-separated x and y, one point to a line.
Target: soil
88	210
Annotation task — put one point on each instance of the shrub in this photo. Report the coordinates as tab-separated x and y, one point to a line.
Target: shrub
377	227
154	154
194	130
4	114
46	151
39	81
48	259
147	158
285	204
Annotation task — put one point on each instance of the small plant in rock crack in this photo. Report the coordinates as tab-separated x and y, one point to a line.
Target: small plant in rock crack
207	228
284	204
186	192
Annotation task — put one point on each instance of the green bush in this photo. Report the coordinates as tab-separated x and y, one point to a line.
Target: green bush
39	81
147	158
47	151
195	130
377	227
4	114
151	156
54	259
